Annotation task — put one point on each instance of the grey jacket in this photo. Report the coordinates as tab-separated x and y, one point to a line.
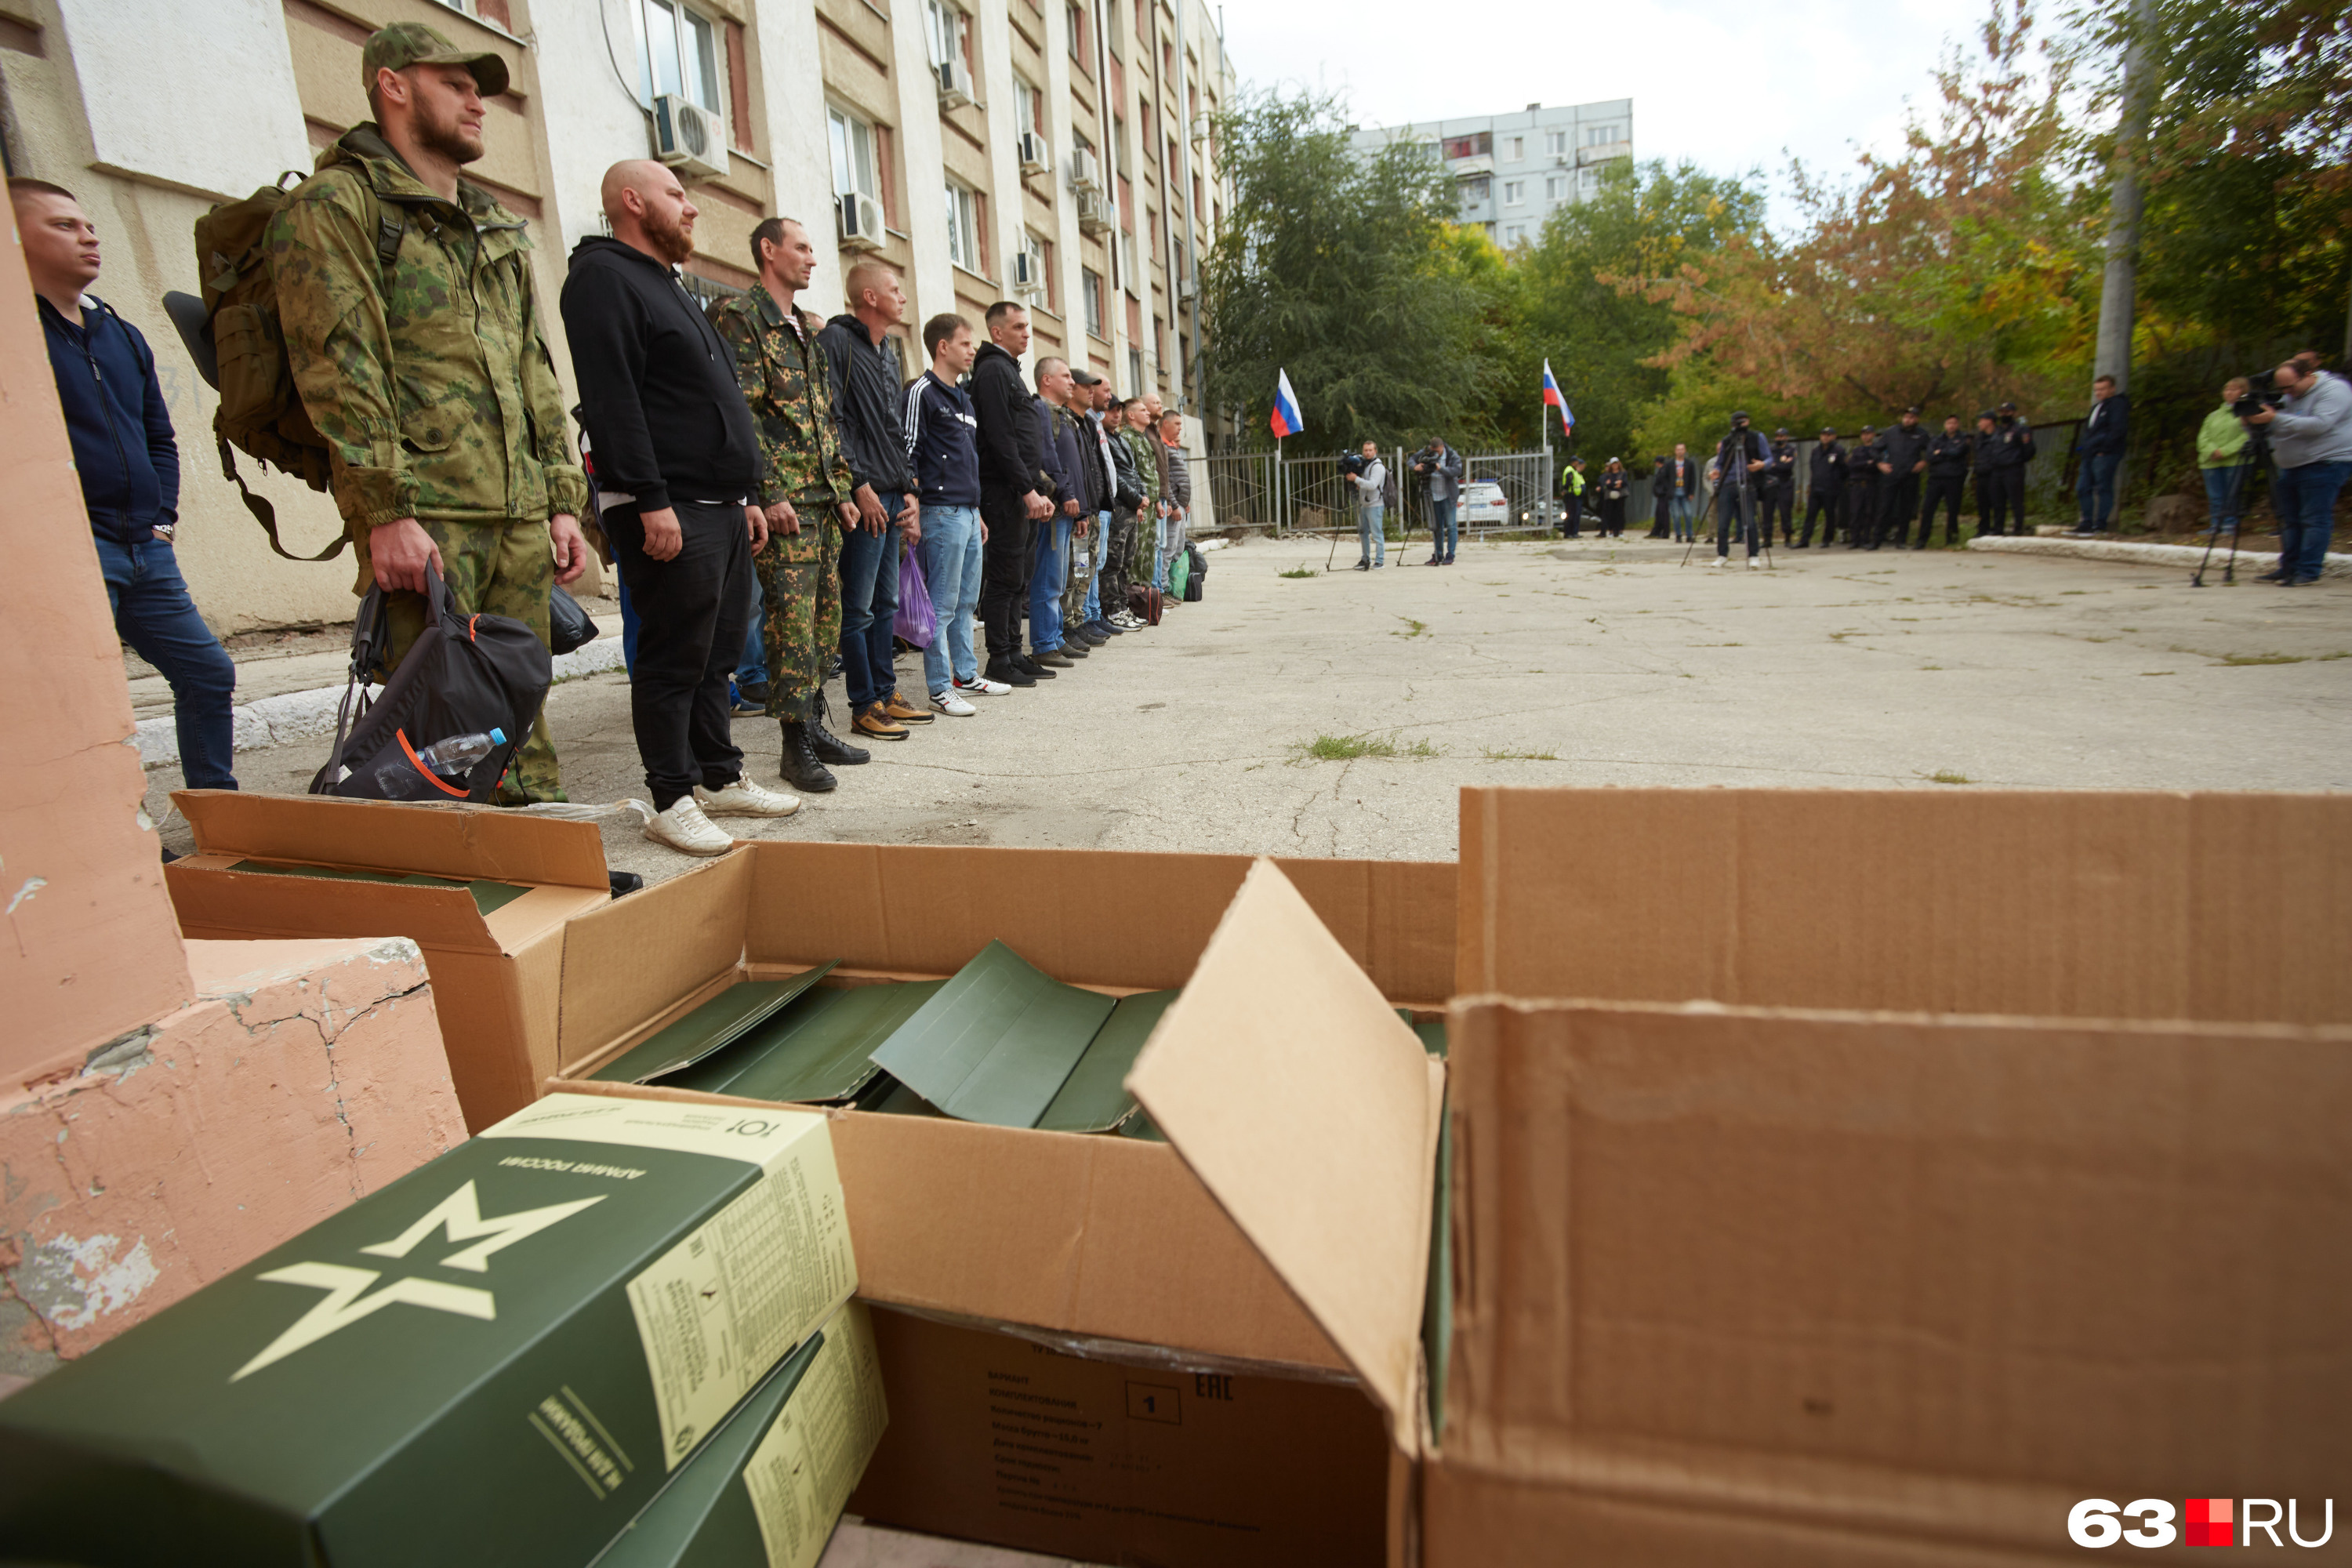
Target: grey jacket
1179	477
1444	476
2315	427
1371	485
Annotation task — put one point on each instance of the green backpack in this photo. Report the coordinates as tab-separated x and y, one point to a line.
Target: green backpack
234	334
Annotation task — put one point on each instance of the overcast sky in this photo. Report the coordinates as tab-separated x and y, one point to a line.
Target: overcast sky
1727	85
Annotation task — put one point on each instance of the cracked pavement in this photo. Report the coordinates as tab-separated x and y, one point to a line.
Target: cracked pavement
1549	664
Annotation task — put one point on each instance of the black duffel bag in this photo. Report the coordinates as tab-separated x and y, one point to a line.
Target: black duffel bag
1196	567
465	675
568	626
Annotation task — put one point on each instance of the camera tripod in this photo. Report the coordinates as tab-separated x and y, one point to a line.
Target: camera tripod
2259	448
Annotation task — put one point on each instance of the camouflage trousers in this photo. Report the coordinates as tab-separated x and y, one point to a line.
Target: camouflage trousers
800	621
1081	575
1118	566
492	569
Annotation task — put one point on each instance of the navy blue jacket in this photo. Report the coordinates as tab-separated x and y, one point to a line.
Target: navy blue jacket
2108	426
123	443
942	442
1064	460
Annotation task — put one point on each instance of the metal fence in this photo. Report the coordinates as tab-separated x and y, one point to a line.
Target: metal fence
1256	490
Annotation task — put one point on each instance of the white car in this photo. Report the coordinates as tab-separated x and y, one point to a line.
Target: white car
1483	503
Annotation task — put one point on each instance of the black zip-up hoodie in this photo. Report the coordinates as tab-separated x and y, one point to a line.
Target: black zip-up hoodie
123	451
658	389
1012	443
867	397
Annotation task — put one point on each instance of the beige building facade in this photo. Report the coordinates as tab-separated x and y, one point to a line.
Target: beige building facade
1061	152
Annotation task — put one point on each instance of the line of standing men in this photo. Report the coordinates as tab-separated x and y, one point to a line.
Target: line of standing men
1871	492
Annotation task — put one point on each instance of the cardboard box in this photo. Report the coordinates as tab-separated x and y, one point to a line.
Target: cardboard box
1284	1226
1758	1287
2042	904
484	893
766	1490
494	1360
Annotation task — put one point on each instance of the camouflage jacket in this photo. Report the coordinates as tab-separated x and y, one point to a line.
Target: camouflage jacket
784	380
1148	464
432	385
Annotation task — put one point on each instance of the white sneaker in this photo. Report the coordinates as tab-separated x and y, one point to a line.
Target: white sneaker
980	686
953	706
683	827
1718	561
1754	561
744	798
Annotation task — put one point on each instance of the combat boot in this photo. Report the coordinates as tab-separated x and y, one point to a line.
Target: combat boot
827	746
800	767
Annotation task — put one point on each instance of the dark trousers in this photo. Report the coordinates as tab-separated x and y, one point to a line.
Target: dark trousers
1861	522
1005	567
1572	507
1775	500
2012	486
692	612
153	614
1823	504
2094	489
1992	501
1944	490
869	613
1733	508
1898	504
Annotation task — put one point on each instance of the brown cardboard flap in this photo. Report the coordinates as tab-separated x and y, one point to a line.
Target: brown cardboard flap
1394	917
630	962
1701	1253
2075	904
466	843
1308	1110
214	902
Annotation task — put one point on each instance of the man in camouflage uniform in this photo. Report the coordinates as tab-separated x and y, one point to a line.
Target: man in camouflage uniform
430	379
1142	552
805	488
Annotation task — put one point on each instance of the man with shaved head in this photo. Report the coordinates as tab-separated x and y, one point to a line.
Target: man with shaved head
677	463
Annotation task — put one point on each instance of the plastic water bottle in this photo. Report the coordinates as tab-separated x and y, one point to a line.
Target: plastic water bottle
452	758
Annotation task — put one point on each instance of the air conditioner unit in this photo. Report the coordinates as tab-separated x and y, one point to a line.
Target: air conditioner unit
689	137
1036	157
1189	289
1200	130
861	222
1085	173
955	84
1028	272
1095	213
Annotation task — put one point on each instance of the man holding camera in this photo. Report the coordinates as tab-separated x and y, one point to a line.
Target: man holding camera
1370	477
2310	431
1440	471
1739	459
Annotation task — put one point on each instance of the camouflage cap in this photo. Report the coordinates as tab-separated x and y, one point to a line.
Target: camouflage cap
405	44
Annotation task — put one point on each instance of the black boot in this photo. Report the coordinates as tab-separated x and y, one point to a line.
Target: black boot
801	769
827	747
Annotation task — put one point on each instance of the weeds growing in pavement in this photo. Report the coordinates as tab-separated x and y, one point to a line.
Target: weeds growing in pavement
1946	775
1300	571
1523	756
1347	748
1412	628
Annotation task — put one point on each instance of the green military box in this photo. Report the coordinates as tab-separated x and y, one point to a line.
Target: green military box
499	1359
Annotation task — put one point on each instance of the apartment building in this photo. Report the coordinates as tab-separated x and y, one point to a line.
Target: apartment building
1513	171
1057	152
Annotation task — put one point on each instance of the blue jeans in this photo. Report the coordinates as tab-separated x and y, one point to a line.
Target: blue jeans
153	614
951	557
1371	535
1683	510
2095	490
2221	488
1100	545
869	609
1045	581
2305	498
1441	531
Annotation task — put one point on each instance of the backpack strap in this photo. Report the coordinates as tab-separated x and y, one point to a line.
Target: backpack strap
266	515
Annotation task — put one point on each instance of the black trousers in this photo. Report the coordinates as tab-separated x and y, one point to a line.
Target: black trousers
1861	515
1823	504
1734	509
1992	501
1005	564
1775	500
1944	490
2012	484
1571	516
1898	505
693	612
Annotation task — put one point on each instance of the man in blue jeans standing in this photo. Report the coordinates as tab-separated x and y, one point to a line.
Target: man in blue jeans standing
1441	471
2311	443
129	468
942	448
2101	451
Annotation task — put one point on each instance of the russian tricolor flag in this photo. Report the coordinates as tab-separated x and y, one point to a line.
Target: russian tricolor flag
1553	396
1286	419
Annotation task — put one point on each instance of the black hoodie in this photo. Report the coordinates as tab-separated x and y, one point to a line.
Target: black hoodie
658	390
1012	441
868	398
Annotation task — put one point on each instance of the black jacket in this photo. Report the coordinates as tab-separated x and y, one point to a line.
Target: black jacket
1127	485
2016	447
1903	450
866	399
1734	453
1011	452
1828	471
1063	460
1783	474
2109	425
658	391
124	455
1094	464
1948	456
942	442
1862	460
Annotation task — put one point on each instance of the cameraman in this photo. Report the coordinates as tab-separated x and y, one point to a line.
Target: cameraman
1441	471
2311	442
1739	458
1370	477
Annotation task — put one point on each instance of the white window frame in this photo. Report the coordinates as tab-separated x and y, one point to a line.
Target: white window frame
1515	193
964	228
1034	248
695	40
1095	301
1518	148
1603	135
947	29
1513	233
1028	107
1555	143
850	141
1555	187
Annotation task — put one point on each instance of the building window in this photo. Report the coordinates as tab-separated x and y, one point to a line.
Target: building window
1476	189
1513	233
1555	187
1470	146
1028	107
852	155
677	54
948	32
1127	269
1135	372
1090	287
1074	15
1517	149
1602	135
1555	142
1587	181
1515	191
963	229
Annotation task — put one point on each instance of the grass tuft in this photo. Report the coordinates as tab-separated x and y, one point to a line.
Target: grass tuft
1300	571
1946	775
1347	748
1412	628
1522	756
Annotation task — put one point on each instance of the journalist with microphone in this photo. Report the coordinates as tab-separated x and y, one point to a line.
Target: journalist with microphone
2310	432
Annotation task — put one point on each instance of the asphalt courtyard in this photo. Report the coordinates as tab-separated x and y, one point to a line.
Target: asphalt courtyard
1338	713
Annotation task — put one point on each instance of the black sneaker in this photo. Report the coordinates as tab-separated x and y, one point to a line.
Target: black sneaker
1008	671
1032	669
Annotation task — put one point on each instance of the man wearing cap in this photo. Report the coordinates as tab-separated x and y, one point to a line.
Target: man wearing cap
1985	459
429	377
2017	449
1740	460
1861	476
1906	460
1078	605
1948	456
1776	489
1826	485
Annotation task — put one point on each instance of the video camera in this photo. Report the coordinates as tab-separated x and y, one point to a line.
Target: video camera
2264	393
1351	463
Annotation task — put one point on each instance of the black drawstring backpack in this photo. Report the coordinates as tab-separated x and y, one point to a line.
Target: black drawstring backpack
467	675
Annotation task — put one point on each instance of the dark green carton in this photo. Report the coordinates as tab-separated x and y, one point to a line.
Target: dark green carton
499	1359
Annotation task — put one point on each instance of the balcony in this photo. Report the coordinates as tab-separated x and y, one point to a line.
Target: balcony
1606	152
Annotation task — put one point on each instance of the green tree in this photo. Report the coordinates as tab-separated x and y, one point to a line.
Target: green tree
1346	271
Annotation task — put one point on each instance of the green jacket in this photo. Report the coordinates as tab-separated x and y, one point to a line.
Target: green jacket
2223	432
432	385
785	380
1149	460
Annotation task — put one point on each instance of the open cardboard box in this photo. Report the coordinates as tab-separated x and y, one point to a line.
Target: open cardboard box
1282	1229
486	894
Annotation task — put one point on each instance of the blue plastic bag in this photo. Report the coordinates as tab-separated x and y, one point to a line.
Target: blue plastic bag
917	624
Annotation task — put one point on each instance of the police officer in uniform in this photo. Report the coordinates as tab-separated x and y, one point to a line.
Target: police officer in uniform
1985	460
1947	475
1776	489
1901	468
2017	450
1825	489
1861	476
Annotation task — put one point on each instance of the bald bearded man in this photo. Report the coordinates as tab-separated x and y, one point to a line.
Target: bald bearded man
677	460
